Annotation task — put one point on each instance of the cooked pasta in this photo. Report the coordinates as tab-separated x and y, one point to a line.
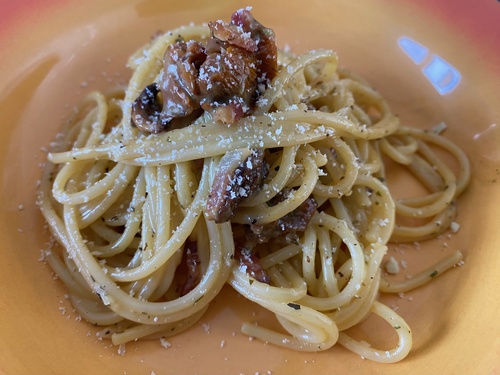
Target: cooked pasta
145	251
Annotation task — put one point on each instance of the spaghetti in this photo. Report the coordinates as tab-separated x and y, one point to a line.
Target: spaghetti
143	256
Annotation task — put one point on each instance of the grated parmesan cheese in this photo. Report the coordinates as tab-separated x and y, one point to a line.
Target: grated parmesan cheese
454	227
165	343
392	266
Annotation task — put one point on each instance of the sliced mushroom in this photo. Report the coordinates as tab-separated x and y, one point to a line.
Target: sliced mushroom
224	76
244	56
267	51
250	263
147	112
287	227
228	82
192	262
240	173
178	79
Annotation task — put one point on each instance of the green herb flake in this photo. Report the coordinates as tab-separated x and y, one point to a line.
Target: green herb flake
397	327
433	274
198	300
294	306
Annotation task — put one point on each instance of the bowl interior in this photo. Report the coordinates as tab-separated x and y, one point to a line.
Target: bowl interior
428	70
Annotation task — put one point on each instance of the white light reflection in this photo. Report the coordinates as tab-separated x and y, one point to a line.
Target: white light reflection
414	50
443	76
487	132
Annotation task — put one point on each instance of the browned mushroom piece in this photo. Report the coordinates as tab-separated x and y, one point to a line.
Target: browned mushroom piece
147	112
240	173
178	79
287	227
175	96
244	56
192	263
227	84
267	51
250	263
223	76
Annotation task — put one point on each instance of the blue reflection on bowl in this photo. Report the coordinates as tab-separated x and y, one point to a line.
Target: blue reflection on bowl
443	76
414	50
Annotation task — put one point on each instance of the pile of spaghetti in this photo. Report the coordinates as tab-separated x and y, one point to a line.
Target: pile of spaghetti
226	161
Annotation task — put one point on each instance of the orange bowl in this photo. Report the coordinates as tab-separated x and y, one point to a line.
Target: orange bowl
433	62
